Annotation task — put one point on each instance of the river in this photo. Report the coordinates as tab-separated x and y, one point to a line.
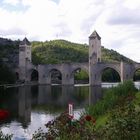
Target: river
32	107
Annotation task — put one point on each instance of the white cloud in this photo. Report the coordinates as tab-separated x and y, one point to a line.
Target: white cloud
116	21
8	20
132	4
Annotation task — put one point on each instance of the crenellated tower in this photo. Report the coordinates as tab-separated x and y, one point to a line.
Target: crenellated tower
94	57
24	57
24	52
94	48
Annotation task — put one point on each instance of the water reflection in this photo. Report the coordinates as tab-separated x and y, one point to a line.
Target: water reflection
32	106
95	93
24	105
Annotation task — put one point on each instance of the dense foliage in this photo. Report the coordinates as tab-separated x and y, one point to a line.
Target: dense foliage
58	51
123	123
61	51
6	75
8	50
111	56
111	97
110	75
137	75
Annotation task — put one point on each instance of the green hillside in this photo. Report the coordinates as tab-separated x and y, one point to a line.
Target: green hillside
61	51
58	51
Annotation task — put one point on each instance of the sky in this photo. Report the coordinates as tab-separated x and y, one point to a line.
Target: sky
116	21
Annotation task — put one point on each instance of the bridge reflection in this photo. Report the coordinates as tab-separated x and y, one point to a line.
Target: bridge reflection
49	100
54	99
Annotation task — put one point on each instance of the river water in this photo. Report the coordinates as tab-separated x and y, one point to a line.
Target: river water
32	107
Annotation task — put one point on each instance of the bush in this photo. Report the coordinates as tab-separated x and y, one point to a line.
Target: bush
6	75
123	124
111	98
63	128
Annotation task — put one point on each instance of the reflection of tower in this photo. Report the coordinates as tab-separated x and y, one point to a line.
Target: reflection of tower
44	94
24	57
24	105
95	93
66	97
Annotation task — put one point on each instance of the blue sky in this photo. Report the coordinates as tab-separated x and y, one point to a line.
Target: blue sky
16	6
116	21
56	1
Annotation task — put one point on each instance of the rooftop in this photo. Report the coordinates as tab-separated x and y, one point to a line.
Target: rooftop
25	42
94	35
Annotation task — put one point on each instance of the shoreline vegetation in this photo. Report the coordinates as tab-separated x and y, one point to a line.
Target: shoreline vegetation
115	117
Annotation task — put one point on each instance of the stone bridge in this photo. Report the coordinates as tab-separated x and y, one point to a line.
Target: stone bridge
94	67
126	71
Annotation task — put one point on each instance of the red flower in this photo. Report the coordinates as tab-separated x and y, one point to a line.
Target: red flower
4	114
88	118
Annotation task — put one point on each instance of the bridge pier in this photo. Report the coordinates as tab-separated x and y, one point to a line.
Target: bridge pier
67	78
126	72
43	77
94	75
22	73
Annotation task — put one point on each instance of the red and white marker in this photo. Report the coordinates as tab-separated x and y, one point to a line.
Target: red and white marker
71	112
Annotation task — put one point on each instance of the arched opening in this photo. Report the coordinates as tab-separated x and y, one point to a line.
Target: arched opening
110	75
80	76
56	76
34	75
17	76
136	76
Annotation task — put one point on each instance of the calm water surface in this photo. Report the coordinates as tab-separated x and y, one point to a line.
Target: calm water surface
33	106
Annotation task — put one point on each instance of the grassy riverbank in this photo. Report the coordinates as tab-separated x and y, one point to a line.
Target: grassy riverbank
115	117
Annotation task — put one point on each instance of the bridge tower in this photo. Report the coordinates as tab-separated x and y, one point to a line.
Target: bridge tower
94	58
24	57
94	48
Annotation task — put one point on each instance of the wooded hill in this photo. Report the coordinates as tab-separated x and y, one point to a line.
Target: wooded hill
62	51
54	52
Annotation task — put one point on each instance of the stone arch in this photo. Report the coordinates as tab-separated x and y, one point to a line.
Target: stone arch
110	74
80	76
34	75
17	76
136	74
56	76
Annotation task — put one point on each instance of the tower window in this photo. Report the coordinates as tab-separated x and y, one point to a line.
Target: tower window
22	48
